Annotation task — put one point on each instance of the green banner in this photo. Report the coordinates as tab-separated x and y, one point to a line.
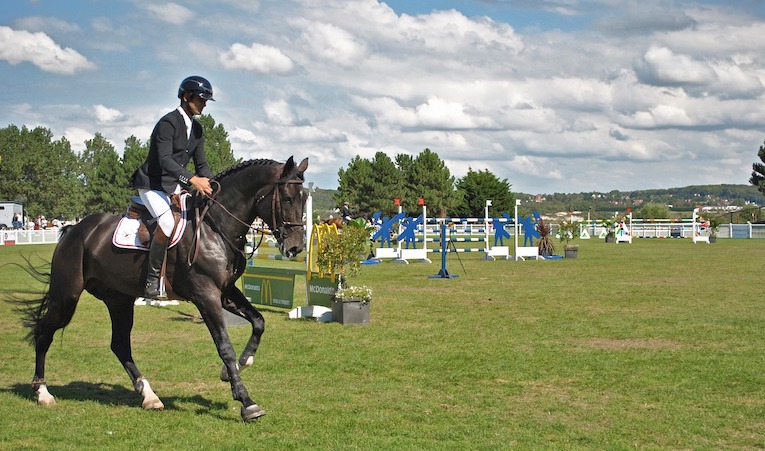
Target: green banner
270	286
321	290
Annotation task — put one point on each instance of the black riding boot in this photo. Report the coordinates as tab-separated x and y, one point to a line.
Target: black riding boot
157	252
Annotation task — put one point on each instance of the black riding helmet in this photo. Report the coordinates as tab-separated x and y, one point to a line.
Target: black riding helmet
196	85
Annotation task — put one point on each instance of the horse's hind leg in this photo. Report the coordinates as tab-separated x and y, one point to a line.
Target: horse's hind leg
58	311
121	310
235	302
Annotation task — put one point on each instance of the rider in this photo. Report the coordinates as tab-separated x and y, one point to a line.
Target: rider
176	139
346	213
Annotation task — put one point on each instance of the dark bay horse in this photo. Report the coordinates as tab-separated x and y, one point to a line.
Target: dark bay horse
202	268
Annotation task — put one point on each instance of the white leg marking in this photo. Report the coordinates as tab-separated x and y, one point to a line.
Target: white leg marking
250	361
150	400
44	398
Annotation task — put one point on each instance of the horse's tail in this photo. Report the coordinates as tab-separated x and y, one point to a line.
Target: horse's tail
33	310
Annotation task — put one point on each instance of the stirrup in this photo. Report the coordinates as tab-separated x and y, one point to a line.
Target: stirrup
154	293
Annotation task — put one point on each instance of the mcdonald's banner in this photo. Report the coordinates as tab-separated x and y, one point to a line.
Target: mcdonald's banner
321	289
270	286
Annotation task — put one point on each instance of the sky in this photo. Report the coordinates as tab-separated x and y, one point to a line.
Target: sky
554	96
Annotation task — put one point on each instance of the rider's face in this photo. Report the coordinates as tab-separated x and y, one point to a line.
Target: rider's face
196	105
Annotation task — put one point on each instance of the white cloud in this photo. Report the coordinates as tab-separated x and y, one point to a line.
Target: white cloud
17	46
259	58
46	24
172	13
243	135
442	114
451	32
663	67
334	44
77	137
279	112
104	114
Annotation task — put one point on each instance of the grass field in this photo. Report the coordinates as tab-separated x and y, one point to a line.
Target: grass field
655	345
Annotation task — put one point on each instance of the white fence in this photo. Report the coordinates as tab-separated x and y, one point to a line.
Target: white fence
47	236
663	230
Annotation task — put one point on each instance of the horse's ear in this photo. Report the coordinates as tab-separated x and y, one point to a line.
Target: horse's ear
288	166
303	165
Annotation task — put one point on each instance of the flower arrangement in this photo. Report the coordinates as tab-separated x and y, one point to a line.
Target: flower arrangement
352	293
609	224
568	231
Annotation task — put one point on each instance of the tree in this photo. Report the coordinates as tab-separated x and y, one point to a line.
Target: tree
476	187
354	182
431	180
388	185
134	155
11	166
68	200
106	190
654	211
39	172
758	171
405	164
217	146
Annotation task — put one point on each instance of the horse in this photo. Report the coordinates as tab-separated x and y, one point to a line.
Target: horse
337	222
201	268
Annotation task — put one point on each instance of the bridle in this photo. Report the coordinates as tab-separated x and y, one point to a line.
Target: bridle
286	228
281	232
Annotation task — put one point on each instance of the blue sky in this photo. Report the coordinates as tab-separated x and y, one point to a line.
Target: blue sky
553	96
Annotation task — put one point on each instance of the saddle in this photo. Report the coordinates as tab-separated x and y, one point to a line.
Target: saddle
144	224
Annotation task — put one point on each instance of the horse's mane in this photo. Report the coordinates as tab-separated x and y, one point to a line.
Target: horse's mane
243	165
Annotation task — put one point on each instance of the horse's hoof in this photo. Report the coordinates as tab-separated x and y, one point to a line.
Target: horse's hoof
153	404
44	398
46	402
252	412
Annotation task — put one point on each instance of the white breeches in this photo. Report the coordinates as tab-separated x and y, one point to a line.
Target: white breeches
158	204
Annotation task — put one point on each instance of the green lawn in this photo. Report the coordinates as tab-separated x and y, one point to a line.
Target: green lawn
655	345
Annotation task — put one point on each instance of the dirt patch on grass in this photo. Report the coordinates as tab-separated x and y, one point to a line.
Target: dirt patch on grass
627	343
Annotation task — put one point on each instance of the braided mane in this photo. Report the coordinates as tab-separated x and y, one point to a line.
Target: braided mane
242	165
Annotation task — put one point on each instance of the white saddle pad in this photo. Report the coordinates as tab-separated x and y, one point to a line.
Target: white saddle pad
126	234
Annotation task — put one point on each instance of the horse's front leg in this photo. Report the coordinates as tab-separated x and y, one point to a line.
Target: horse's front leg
212	313
121	311
235	302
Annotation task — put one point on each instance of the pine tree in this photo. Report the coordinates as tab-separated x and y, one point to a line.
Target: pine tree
758	171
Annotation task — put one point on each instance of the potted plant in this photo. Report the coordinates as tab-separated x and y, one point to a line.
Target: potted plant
545	244
609	224
567	232
714	227
351	305
342	254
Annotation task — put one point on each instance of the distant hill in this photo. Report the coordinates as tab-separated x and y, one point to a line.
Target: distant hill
679	199
682	200
323	201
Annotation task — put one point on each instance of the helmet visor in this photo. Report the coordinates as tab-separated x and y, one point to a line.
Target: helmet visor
205	94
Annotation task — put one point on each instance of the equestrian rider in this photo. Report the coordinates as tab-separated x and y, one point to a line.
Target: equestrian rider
176	139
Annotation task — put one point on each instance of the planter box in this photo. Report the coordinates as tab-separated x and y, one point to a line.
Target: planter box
571	251
354	312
